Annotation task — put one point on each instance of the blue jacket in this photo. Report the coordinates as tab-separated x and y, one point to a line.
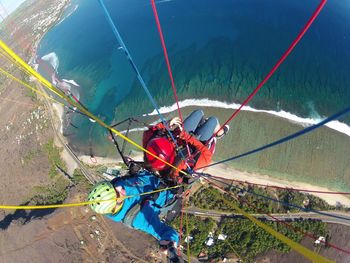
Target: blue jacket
147	218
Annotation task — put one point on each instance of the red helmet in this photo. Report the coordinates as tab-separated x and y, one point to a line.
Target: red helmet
162	148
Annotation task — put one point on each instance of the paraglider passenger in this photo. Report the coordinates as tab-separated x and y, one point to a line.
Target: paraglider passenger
198	134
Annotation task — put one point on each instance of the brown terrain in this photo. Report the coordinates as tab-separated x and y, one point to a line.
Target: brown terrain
61	235
71	234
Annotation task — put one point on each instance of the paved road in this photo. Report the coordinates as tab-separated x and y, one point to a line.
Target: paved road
282	217
92	179
209	213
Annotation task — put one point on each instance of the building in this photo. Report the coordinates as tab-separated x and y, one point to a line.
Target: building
222	237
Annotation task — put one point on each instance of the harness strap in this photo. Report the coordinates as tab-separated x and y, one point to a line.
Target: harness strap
169	211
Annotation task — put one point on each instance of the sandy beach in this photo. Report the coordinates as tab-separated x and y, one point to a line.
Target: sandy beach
224	171
227	172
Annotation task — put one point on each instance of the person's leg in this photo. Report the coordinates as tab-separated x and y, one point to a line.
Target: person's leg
205	131
192	121
148	221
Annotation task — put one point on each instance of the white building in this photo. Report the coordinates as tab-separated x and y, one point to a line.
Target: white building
222	237
210	242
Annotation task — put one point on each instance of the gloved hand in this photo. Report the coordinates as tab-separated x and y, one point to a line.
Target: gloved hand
175	123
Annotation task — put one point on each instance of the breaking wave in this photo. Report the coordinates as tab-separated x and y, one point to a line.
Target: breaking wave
335	125
70	86
52	59
71	81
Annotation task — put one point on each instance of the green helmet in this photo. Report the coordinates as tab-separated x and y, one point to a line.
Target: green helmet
103	191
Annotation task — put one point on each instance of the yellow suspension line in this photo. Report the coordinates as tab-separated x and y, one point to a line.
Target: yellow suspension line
302	250
21	63
14	62
28	207
47	84
28	86
188	236
314	257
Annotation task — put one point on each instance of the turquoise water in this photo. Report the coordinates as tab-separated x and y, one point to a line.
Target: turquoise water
218	49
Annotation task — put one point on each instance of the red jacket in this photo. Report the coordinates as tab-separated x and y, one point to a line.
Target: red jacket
202	153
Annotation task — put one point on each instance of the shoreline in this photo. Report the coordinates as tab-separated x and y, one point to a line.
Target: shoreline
266	176
334	125
36	44
57	110
222	170
227	172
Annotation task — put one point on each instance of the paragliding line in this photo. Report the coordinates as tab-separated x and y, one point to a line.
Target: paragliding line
279	62
139	77
278	201
276	219
314	257
48	85
285	139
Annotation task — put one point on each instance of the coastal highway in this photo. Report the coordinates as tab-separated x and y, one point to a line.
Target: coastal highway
282	217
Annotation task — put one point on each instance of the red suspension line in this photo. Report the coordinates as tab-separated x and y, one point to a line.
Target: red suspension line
296	229
154	8
166	57
280	61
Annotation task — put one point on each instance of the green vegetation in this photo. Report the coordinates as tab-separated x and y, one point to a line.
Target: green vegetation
31	94
320	158
123	165
249	240
243	236
54	157
58	191
298	198
206	199
213	199
198	229
53	194
28	158
28	92
80	180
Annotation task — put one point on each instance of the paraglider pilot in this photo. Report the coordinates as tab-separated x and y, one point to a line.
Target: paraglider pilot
141	212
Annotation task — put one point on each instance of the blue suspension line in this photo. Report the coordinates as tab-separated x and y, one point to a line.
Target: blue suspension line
275	200
285	139
139	77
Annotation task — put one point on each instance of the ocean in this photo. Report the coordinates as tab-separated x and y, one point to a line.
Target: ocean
219	51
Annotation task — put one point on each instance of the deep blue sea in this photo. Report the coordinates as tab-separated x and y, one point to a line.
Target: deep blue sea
218	49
